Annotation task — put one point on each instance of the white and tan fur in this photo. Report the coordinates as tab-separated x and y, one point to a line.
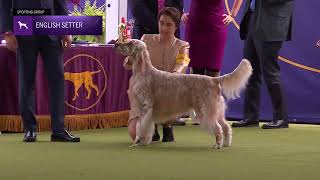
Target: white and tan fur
157	96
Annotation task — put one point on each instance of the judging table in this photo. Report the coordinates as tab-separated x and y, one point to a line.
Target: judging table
100	104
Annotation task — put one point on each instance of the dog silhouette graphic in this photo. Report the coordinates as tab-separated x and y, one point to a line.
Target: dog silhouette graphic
78	79
22	25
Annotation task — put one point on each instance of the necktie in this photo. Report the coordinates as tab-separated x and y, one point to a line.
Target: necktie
252	4
161	4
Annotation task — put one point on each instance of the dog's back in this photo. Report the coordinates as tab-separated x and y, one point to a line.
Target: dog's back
175	94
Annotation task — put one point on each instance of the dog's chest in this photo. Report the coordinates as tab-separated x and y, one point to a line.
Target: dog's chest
139	86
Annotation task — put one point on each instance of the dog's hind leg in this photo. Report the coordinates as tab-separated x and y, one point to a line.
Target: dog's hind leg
214	128
218	134
198	115
227	131
212	125
209	121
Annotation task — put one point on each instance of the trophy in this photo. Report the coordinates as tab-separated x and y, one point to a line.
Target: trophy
124	31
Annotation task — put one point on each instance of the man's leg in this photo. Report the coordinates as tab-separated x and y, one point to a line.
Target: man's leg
252	92
52	54
271	74
27	64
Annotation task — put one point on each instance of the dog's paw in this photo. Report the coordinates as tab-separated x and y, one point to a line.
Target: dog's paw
227	140
134	145
137	140
146	141
227	143
217	146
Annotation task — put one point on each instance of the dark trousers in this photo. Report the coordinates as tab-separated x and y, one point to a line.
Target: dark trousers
51	52
263	56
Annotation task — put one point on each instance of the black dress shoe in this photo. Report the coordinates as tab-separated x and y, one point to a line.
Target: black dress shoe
30	136
167	134
156	136
246	123
276	124
64	136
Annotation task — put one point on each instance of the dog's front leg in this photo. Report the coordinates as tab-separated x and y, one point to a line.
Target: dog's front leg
145	128
136	142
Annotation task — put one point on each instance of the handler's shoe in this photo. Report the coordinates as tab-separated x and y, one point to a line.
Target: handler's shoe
276	124
64	136
167	134
30	136
156	136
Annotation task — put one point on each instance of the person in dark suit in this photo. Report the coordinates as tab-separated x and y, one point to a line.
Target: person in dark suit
264	27
145	14
27	49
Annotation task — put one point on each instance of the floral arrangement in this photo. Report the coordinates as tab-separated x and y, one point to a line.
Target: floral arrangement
89	10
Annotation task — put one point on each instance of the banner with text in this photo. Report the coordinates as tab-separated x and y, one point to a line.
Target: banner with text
57	25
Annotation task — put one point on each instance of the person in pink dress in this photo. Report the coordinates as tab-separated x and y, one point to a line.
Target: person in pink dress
207	35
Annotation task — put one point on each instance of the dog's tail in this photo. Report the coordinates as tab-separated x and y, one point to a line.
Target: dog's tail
233	83
95	72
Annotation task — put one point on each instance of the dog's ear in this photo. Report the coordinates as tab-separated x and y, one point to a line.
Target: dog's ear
142	57
128	62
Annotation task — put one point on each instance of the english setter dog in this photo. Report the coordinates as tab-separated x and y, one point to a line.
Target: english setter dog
157	96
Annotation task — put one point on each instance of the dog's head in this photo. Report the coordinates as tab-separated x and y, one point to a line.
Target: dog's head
137	53
130	48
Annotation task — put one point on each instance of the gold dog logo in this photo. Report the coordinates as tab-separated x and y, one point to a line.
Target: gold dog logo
85	83
318	44
79	79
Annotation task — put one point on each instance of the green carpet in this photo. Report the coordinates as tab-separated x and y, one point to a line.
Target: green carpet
286	154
